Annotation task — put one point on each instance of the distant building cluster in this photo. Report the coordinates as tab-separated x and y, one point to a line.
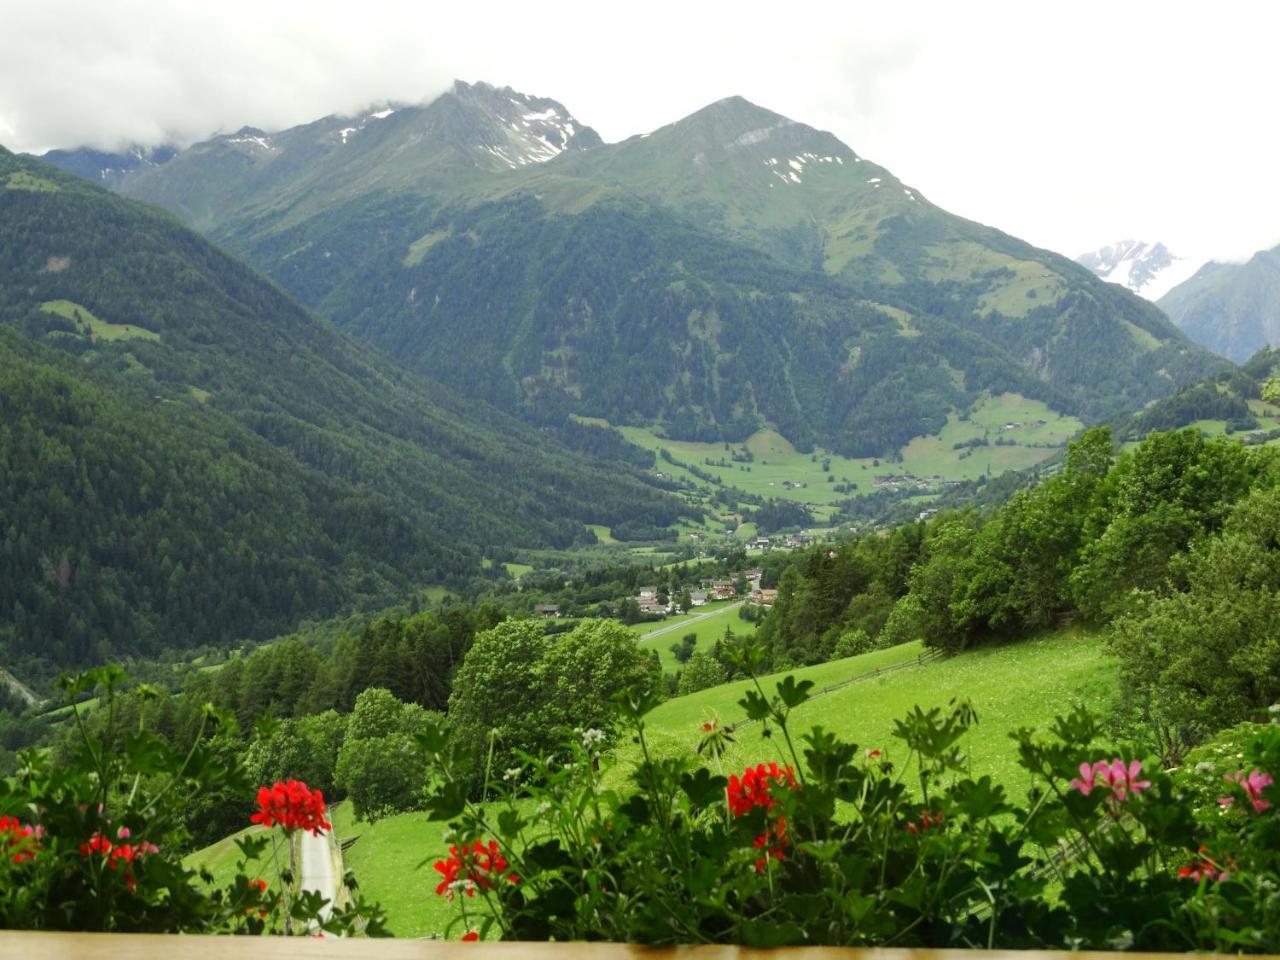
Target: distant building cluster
793	541
657	601
900	481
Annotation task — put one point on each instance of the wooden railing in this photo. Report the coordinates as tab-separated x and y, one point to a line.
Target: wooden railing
119	946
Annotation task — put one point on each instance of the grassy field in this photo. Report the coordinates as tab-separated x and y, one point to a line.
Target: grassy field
220	859
22	180
1267	415
1030	432
707	631
1015	685
99	329
392	861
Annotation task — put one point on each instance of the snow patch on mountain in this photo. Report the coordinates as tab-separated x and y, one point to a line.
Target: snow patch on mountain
797	164
262	142
1148	269
345	133
518	129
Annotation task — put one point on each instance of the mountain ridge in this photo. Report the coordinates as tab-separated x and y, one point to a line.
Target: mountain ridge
400	243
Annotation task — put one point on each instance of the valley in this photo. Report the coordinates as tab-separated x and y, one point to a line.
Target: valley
691	535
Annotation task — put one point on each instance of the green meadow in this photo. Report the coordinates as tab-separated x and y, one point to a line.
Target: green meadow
99	329
1028	431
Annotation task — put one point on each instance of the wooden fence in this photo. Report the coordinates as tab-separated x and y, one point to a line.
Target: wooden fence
927	657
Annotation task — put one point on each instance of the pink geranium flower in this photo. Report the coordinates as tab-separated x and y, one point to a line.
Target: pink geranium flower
1087	780
1121	778
1252	785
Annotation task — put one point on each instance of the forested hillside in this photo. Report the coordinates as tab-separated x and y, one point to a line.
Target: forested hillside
1171	546
731	270
1230	402
190	458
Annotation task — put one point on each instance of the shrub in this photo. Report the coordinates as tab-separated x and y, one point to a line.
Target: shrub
851	643
702	672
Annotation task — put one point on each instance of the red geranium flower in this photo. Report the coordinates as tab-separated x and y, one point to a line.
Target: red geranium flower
115	854
753	788
478	866
291	805
928	821
471	936
1204	867
18	840
773	843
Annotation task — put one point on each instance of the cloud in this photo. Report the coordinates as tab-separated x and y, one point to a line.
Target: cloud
1072	125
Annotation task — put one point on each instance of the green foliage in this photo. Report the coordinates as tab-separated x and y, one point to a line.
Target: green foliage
94	841
518	687
303	749
1206	656
821	596
1173	488
683	649
381	776
851	643
377	713
701	672
1078	543
834	845
1173	545
1202	774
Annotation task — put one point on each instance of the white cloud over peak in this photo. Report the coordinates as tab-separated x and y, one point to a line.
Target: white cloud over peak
1071	124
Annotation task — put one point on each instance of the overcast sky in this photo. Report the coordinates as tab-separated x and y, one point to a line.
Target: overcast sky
1071	124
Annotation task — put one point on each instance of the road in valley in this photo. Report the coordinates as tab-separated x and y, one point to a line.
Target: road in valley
691	621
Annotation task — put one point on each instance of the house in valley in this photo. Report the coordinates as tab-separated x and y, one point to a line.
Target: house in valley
764	597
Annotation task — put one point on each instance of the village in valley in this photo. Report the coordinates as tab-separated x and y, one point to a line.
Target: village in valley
660	601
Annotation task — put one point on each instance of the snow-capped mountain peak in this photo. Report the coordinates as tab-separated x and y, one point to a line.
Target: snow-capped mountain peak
519	129
1148	269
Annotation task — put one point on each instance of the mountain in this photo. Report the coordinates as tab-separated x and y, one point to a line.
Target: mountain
109	168
731	270
191	458
470	132
1148	269
1228	403
1231	308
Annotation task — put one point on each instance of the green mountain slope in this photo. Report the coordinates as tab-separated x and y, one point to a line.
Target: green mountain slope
728	271
1228	403
189	457
1230	308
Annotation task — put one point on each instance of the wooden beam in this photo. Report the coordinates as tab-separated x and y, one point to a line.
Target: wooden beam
122	946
